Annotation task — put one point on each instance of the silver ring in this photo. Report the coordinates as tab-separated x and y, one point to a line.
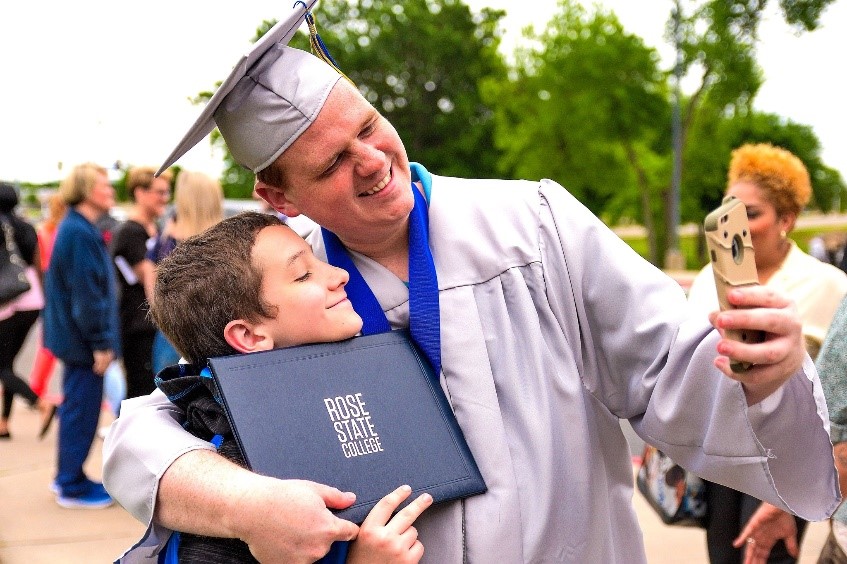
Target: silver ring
751	540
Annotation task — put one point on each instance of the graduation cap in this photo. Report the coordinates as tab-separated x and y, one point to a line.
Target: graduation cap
272	95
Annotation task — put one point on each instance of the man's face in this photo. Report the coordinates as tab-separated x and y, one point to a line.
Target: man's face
349	171
312	306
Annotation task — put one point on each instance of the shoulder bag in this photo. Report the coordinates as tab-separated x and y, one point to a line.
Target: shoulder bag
13	279
677	495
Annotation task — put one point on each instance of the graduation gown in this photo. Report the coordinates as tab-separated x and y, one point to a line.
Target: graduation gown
552	330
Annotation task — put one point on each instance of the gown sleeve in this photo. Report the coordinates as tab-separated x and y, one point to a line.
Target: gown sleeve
649	358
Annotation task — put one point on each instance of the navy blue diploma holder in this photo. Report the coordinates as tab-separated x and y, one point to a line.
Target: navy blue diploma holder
365	415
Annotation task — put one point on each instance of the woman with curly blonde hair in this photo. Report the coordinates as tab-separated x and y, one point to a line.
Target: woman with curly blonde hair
775	186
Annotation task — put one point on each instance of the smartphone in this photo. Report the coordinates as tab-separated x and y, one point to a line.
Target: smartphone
733	262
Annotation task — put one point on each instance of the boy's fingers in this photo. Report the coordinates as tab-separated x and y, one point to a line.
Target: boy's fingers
416	552
381	512
406	516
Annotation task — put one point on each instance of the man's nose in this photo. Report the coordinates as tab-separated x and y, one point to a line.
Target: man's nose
369	159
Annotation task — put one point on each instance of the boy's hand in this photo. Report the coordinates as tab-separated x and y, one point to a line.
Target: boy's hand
777	358
395	540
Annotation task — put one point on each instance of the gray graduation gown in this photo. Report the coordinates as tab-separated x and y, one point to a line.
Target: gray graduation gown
552	330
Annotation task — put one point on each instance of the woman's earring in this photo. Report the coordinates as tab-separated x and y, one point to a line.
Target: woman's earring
783	234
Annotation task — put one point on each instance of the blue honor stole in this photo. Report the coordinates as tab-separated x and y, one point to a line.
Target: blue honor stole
424	313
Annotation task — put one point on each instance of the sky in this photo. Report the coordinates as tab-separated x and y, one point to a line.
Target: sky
105	81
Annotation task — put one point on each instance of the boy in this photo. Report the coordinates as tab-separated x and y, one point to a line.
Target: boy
248	284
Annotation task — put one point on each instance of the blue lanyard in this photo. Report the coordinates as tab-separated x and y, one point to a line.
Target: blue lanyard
424	314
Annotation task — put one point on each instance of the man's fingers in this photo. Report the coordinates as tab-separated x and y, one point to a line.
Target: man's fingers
333	497
770	321
757	296
347	531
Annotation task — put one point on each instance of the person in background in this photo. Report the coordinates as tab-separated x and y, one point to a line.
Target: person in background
45	362
774	185
129	246
198	204
81	328
832	367
18	316
544	326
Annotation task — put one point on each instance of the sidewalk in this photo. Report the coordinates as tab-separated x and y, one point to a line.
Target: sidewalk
33	529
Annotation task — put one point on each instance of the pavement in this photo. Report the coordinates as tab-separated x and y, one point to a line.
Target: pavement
34	530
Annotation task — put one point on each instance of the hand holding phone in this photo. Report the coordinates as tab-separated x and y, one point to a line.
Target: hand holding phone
733	262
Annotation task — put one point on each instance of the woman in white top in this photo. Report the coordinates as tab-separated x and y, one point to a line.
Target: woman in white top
774	185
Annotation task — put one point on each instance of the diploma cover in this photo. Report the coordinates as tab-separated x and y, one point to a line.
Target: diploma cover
365	415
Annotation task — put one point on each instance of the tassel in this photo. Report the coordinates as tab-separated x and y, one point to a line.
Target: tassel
319	47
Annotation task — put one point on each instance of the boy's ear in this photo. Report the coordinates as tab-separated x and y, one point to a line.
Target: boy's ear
246	337
276	197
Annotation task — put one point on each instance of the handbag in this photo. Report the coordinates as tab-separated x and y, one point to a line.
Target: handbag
677	495
13	279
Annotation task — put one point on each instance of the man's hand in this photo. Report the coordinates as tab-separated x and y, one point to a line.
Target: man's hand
767	525
288	520
775	359
280	520
102	360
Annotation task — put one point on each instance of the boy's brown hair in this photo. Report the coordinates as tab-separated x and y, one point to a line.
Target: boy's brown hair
206	282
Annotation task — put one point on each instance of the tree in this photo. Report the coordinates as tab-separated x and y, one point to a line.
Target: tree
582	108
718	41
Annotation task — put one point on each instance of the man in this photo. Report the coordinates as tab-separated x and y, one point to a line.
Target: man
551	330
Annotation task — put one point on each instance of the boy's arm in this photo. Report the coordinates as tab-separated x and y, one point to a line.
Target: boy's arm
165	476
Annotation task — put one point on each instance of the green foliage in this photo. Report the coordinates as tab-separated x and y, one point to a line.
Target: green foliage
586	105
706	177
580	108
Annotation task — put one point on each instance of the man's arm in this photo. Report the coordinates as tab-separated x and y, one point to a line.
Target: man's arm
281	520
166	477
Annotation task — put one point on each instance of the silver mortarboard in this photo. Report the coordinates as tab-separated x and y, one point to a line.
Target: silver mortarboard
272	95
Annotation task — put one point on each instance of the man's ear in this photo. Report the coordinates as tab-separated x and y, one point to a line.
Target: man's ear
246	337
276	198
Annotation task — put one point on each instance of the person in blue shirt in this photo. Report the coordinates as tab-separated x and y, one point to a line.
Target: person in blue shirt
81	328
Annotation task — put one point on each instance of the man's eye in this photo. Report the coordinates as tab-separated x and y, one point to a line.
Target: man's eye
304	277
334	164
367	130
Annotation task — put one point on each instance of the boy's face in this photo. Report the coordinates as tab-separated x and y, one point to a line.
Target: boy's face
312	306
